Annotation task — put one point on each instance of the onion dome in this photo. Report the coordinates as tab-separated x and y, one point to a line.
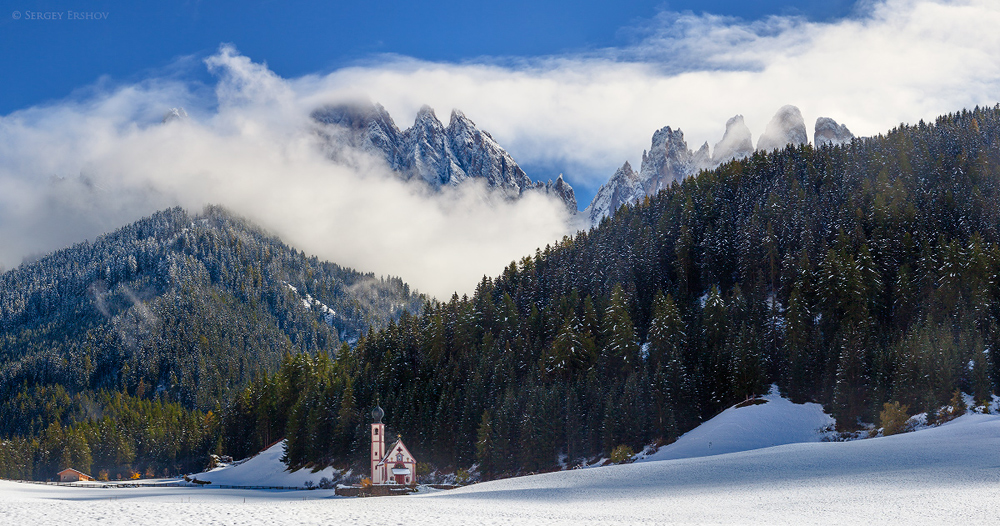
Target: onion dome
377	414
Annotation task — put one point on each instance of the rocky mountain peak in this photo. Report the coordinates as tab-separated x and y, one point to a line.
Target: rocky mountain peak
829	132
561	190
459	118
736	143
667	160
625	186
426	117
427	144
702	158
786	127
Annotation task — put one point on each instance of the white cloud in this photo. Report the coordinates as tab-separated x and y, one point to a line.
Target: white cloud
250	147
74	170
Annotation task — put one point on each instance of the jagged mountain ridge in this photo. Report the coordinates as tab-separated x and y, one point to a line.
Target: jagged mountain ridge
669	159
443	155
429	151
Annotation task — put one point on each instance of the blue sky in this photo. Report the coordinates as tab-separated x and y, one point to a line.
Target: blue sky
47	59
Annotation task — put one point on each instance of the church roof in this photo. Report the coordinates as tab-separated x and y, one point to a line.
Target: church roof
398	446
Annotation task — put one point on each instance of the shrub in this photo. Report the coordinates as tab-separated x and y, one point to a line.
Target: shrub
424	469
366	482
957	408
462	476
932	416
622	454
893	418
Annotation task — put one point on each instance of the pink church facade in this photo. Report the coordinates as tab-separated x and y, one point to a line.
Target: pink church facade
393	465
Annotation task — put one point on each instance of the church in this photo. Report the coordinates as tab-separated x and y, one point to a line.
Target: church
395	465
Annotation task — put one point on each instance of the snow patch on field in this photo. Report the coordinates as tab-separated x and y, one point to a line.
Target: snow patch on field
773	423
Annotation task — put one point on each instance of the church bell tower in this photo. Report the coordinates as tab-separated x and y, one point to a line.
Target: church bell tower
378	446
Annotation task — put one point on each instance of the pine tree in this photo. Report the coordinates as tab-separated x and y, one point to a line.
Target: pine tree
667	342
484	445
619	351
715	359
573	350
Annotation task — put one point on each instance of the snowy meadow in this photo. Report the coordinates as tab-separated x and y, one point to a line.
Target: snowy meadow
943	475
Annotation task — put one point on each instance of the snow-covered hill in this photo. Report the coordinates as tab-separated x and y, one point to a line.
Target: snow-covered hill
775	422
265	469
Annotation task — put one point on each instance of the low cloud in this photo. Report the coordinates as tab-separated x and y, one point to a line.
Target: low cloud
76	168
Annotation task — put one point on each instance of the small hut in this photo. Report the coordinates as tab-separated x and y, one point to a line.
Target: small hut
72	475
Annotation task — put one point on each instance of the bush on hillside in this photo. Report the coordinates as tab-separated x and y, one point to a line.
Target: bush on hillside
956	407
622	454
893	418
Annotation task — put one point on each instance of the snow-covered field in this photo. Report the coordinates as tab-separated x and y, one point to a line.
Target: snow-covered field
944	475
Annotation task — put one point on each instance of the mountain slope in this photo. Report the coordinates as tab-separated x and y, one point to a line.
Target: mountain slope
187	306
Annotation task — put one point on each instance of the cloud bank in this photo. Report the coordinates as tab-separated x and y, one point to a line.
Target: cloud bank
75	168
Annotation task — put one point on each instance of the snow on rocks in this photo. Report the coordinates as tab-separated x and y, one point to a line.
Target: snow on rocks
430	151
624	186
829	132
667	160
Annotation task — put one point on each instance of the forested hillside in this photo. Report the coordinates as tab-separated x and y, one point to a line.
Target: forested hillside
849	275
135	341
